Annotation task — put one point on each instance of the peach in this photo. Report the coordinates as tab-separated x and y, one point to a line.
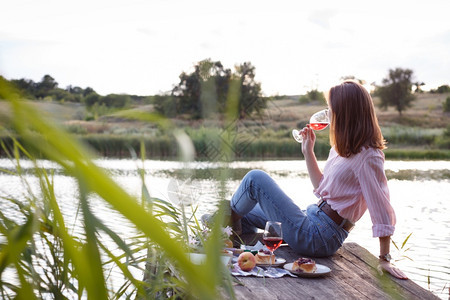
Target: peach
246	261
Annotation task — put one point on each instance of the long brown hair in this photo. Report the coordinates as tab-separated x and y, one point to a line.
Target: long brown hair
353	121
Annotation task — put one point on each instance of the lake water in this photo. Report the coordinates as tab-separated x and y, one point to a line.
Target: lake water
420	194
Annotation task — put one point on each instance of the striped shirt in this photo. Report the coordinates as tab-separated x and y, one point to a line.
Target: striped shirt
353	185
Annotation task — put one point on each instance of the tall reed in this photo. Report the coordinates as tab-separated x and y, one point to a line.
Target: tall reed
399	135
46	259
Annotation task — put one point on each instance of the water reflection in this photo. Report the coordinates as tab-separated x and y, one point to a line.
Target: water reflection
419	194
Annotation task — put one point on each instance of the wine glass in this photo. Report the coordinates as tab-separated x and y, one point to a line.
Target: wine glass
318	121
272	238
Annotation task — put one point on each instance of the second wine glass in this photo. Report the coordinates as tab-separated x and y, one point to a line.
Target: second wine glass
272	238
320	120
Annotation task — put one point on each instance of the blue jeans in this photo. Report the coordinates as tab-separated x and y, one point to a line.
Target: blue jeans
309	232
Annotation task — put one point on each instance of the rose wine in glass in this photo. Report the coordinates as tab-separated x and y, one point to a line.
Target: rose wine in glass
318	121
272	238
272	243
318	126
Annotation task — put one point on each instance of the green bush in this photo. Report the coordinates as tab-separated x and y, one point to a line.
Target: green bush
442	89
443	142
312	95
446	105
400	135
76	129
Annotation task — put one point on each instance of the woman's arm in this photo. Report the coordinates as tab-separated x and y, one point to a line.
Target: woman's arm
386	265
309	138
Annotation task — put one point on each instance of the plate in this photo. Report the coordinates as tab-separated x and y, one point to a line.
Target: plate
200	258
321	271
278	263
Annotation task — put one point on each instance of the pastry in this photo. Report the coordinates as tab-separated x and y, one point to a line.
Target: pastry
305	265
264	257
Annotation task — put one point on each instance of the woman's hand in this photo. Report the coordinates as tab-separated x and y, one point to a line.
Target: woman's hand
309	139
391	269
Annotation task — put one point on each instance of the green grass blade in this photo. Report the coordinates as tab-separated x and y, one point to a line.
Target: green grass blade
406	240
58	146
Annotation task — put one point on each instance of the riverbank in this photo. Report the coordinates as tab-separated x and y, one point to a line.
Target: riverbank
215	149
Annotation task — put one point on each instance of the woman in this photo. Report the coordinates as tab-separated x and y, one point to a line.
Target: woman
353	180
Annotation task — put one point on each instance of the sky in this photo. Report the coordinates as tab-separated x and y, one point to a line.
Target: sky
141	47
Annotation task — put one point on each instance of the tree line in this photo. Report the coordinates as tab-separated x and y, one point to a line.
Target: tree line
48	88
209	89
212	89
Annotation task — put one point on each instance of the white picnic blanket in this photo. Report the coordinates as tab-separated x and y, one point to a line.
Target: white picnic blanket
260	272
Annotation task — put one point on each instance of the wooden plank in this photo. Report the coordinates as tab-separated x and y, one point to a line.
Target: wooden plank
354	276
406	288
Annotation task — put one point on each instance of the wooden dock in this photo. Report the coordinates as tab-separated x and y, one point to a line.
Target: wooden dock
354	275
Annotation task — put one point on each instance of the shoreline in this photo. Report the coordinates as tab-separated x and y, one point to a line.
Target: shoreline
208	149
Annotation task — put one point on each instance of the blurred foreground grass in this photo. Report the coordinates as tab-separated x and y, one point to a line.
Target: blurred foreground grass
41	257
